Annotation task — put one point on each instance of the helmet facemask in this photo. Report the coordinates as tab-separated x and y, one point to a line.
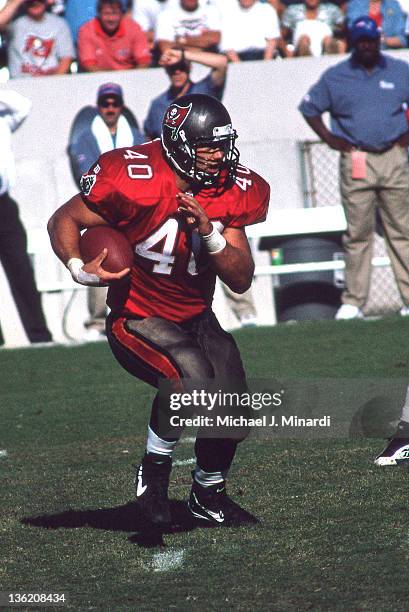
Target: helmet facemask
225	141
185	160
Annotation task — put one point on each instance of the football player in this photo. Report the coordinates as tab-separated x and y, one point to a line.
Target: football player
183	202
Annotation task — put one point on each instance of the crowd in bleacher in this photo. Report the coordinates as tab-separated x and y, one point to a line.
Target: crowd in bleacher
41	37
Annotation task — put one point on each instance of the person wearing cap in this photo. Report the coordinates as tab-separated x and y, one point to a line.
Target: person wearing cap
95	130
178	66
313	28
112	40
366	96
389	16
39	43
188	24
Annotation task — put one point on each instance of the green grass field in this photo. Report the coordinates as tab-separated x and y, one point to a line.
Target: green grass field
334	531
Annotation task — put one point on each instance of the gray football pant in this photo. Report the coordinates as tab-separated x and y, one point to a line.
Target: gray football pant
199	350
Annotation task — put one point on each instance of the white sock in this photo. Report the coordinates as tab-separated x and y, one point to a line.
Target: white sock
158	446
207	479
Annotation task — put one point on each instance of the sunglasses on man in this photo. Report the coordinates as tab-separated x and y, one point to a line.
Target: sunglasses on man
108	103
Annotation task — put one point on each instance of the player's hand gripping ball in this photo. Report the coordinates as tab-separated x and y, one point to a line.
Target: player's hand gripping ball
95	239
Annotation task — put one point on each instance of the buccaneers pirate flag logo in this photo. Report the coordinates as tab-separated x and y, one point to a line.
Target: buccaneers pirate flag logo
87	182
175	117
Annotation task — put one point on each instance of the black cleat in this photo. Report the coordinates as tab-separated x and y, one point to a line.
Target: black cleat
396	453
151	483
212	504
397	450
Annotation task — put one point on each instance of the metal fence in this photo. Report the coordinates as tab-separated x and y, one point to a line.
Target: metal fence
320	172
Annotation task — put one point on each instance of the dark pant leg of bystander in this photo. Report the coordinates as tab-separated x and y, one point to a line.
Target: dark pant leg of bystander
18	269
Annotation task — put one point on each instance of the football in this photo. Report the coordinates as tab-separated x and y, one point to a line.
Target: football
95	239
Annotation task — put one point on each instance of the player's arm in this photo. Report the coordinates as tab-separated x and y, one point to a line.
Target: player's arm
64	229
229	254
234	263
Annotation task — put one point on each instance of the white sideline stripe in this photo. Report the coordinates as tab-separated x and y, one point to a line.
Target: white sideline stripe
183	462
3	453
168	560
187	440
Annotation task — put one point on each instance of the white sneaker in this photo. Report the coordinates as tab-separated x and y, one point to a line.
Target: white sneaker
248	320
93	335
348	311
404	311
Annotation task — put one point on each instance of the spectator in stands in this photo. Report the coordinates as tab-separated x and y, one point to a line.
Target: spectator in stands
145	13
14	108
250	31
282	5
312	28
78	12
189	25
112	41
95	130
177	64
39	43
366	96
388	16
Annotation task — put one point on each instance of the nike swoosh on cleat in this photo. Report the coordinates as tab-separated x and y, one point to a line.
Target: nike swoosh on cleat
140	489
217	516
382	461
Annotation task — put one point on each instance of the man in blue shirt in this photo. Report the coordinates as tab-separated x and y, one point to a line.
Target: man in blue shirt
177	64
366	97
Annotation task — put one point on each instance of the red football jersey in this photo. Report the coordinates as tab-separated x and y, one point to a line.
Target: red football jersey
135	191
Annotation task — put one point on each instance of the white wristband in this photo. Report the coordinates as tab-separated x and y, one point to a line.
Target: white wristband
214	242
83	278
